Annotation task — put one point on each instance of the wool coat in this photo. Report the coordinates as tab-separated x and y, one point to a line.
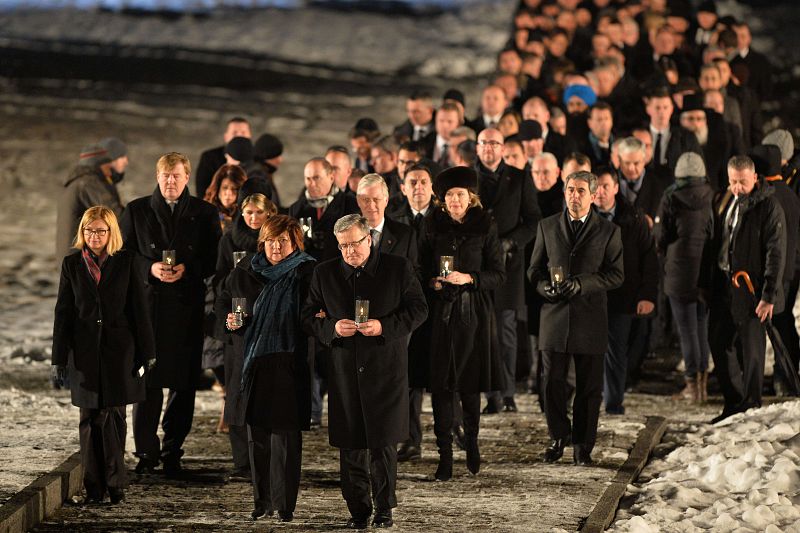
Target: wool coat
321	245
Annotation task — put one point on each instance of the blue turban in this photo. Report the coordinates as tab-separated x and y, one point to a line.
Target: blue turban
584	92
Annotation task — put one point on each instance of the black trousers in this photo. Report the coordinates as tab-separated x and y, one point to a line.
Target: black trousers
275	461
414	413
785	326
444	411
240	448
738	351
362	470
176	423
588	395
102	436
507	339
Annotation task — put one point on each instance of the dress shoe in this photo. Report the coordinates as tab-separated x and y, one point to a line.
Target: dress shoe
258	512
459	438
92	499
581	455
146	465
240	474
116	495
408	452
445	469
509	405
473	455
383	518
285	516
357	522
726	413
555	450
491	408
172	467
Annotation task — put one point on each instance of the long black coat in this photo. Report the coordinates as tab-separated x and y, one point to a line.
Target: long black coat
210	161
279	395
790	204
367	376
464	352
515	211
102	333
579	325
322	244
682	227
193	232
649	197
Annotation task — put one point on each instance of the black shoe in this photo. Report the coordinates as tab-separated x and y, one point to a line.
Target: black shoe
445	469
285	516
172	467
357	523
509	405
240	474
491	408
555	450
408	452
91	499
473	455
383	518
726	412
459	438
581	455
258	512
146	465
116	495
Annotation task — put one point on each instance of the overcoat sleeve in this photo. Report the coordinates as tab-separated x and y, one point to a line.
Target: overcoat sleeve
537	271
323	328
648	288
64	322
130	239
775	249
530	215
141	317
611	273
412	311
493	271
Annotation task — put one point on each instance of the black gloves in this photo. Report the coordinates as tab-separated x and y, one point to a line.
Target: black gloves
58	376
551	294
569	288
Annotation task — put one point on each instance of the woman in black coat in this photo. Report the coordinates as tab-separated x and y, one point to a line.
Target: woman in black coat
273	377
464	353
683	226
102	339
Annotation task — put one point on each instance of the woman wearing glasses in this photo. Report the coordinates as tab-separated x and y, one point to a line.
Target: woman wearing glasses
464	354
103	340
275	384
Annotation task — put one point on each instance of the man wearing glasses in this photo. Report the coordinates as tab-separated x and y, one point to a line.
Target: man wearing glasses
510	197
368	397
171	220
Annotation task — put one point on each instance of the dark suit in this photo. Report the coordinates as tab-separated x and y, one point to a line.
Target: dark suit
760	73
680	141
399	239
649	196
717	150
210	161
577	328
406	129
559	145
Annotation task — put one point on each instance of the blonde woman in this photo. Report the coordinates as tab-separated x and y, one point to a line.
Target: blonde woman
103	340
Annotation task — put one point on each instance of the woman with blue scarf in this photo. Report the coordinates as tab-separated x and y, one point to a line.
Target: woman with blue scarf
276	374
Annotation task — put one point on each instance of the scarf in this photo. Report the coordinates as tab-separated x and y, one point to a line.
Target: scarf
167	220
93	263
275	323
322	201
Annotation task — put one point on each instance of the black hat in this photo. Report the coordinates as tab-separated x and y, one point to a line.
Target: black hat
767	158
464	177
728	20
692	102
267	146
93	156
240	149
529	130
455	94
709	6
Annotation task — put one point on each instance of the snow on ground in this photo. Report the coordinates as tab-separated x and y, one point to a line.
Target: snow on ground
740	475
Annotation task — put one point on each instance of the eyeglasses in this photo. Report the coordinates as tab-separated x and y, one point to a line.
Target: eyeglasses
96	232
349	246
491	144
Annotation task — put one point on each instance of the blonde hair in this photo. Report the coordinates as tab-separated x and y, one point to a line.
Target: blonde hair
260	201
170	160
100	212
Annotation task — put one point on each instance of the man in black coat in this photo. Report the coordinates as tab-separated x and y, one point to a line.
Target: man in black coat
574	323
639	187
637	295
758	66
213	158
669	140
171	219
716	144
749	236
420	111
368	400
555	143
509	196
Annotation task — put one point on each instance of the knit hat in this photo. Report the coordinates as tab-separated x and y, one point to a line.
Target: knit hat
584	92
93	156
767	159
529	130
691	165
267	146
240	149
783	140
115	147
464	177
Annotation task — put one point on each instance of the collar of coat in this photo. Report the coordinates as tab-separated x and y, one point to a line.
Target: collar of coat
476	222
371	267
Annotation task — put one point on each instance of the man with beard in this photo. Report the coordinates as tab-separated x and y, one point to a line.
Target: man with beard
213	158
171	219
715	143
508	195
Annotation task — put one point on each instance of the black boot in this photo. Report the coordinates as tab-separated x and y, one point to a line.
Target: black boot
473	454
445	469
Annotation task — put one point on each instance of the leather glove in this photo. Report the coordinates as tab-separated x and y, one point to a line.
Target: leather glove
569	288
552	294
58	376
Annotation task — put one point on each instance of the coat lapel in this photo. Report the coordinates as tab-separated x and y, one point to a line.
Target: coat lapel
388	240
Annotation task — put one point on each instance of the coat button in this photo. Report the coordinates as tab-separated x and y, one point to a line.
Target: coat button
99	322
361	369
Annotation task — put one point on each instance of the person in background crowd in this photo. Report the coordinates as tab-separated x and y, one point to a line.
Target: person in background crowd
514	153
213	158
420	111
339	158
105	362
268	156
223	192
598	141
757	65
437	143
509	123
362	135
555	143
669	140
458	136
715	142
530	136
384	155
493	103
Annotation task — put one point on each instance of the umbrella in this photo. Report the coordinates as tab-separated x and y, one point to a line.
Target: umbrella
781	354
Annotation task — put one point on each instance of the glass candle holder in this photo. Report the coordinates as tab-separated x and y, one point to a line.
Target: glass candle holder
362	311
239	310
556	275
446	265
168	257
238	256
305	225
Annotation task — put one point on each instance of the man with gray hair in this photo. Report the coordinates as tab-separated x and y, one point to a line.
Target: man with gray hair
363	306
640	187
577	258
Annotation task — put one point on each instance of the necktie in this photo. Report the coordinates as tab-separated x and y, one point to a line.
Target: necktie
417	220
376	237
657	150
171	206
443	157
576	226
606	214
727	236
417	133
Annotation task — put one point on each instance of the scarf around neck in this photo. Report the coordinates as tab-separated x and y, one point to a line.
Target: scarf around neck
94	263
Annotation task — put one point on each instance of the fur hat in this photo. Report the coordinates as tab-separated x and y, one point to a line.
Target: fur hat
93	156
691	165
240	149
783	140
464	177
767	158
267	146
529	130
115	147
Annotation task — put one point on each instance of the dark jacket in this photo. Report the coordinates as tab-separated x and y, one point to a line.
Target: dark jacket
717	150
279	395
322	243
399	239
681	141
102	333
84	187
790	204
367	376
210	161
683	226
515	211
638	259
558	145
193	232
464	351
649	197
594	258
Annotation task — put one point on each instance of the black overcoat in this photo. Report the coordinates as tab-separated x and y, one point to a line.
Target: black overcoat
279	395
464	351
367	376
102	333
322	243
193	232
579	325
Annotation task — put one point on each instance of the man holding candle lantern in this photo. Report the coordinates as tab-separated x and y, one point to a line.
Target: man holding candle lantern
574	319
368	369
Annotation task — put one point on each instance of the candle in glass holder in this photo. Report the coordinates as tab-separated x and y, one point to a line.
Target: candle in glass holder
446	265
556	275
308	228
362	311
168	258
239	309
238	256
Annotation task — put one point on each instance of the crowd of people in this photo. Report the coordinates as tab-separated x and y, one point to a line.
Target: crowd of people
613	182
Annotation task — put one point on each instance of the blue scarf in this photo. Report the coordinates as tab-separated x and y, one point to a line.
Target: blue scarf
275	325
